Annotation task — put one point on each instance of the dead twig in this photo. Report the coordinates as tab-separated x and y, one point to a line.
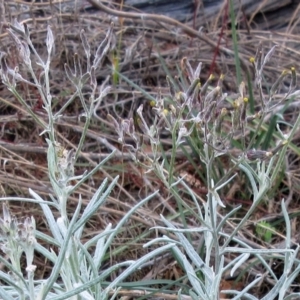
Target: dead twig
160	18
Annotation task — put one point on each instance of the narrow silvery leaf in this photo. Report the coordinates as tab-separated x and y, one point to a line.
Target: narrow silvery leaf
206	85
287	224
273	293
26	50
17	77
49	40
243	258
190	251
27	33
3	67
103	92
93	77
243	293
269	55
192	87
84	295
138	263
69	73
258	57
49	216
195	282
100	247
85	43
213	95
103	47
276	84
15	38
198	71
171	86
187	68
18	28
77	65
85	77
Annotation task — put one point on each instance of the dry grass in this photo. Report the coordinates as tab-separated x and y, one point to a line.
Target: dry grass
142	46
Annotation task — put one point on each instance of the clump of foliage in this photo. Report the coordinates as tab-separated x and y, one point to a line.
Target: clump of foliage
200	119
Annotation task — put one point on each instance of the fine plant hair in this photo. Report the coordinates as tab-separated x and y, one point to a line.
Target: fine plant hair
201	118
75	274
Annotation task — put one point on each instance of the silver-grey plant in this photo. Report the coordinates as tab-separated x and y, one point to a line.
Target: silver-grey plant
76	272
197	115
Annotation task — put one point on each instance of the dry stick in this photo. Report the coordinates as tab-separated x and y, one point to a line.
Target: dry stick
160	18
216	53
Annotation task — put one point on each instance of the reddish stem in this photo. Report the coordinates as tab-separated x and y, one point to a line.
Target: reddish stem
217	49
